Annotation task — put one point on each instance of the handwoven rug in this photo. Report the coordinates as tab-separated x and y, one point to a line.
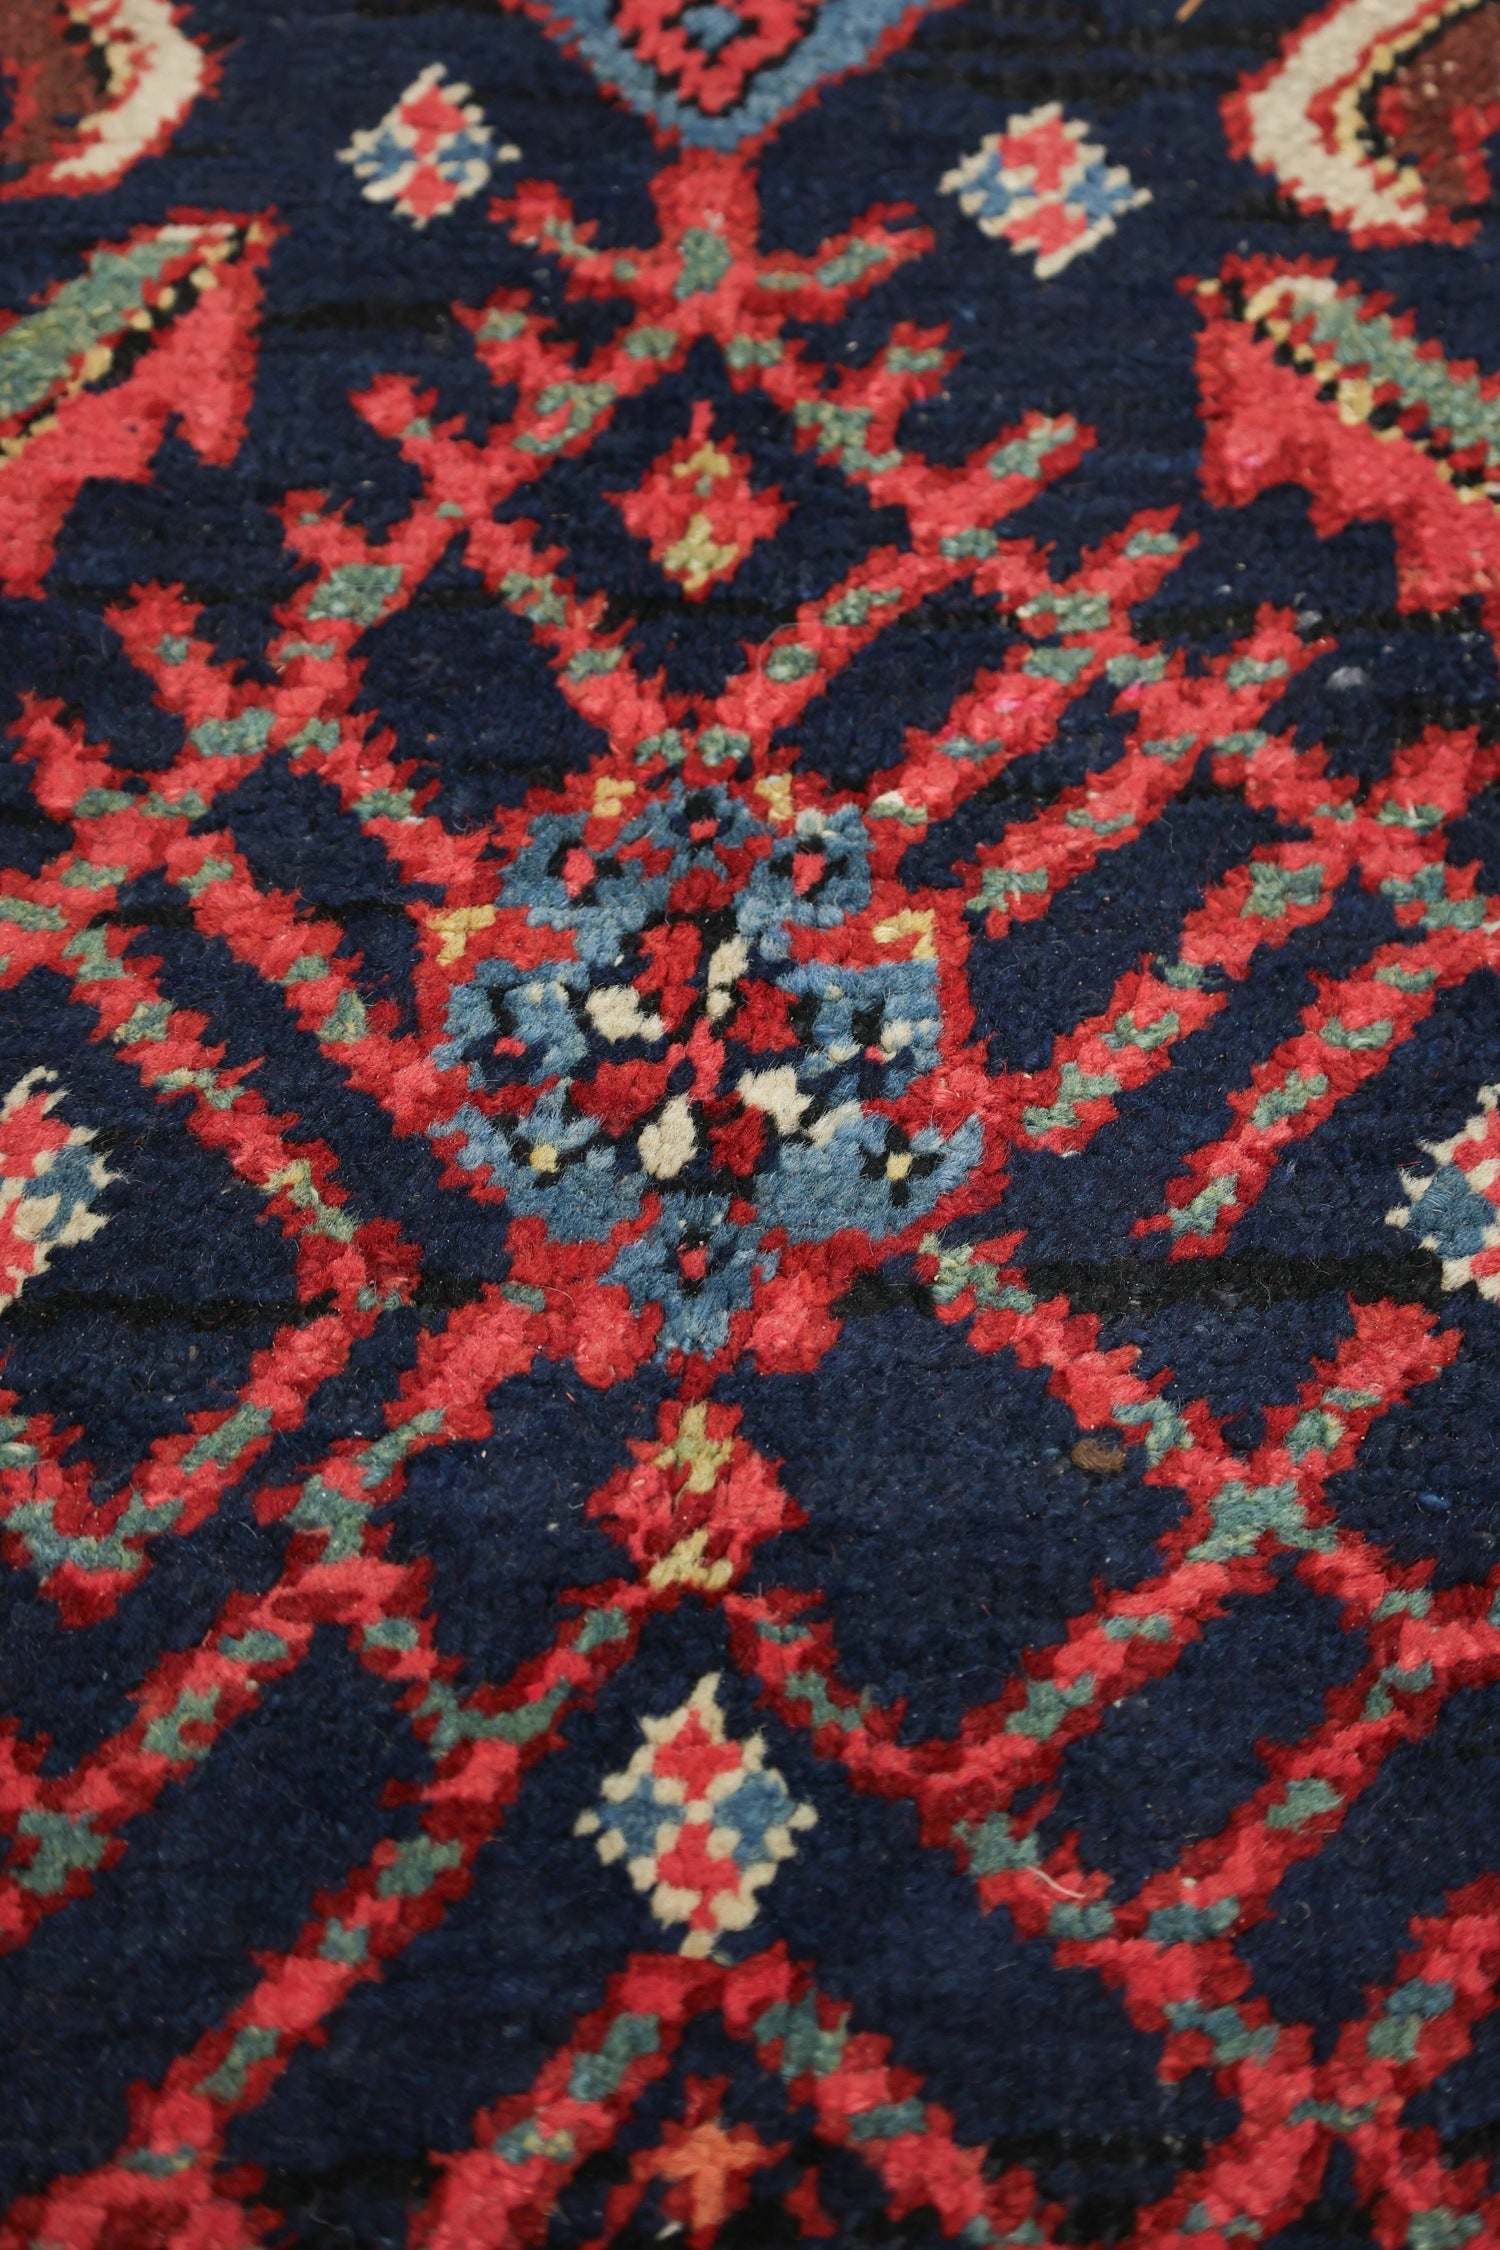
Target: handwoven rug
750	1124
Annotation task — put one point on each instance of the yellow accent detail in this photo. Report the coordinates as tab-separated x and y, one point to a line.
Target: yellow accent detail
610	792
694	1450
776	789
708	465
455	929
695	557
1356	397
909	923
685	1566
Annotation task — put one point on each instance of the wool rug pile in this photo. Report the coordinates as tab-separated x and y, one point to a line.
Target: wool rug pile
749	1124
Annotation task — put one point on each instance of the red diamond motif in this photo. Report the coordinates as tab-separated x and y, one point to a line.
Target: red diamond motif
697	510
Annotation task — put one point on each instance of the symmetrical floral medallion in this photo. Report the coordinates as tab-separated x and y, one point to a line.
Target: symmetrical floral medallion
697	1038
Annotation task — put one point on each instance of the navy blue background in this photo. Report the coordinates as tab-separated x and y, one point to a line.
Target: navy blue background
947	1527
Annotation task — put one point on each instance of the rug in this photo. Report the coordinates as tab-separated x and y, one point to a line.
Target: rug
749	1124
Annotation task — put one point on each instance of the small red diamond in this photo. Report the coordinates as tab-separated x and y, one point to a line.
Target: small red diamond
697	511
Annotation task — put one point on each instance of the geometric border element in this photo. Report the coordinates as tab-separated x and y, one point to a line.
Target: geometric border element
844	35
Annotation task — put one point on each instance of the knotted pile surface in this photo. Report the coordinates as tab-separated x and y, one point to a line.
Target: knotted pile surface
749	1124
